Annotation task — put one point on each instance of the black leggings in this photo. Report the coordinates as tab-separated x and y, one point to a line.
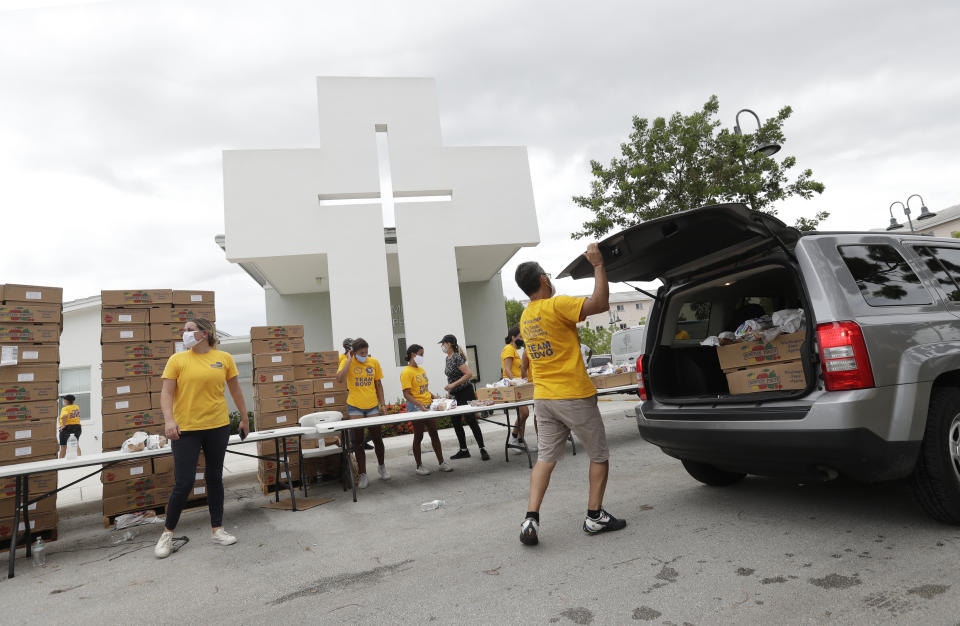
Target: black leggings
186	451
463	398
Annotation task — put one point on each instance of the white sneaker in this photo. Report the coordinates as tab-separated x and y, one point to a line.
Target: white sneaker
362	481
223	537
164	545
384	474
445	468
422	471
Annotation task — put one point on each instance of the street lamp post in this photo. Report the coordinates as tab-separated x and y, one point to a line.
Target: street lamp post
925	213
894	224
766	149
906	211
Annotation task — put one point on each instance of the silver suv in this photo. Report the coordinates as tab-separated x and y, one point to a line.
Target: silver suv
876	388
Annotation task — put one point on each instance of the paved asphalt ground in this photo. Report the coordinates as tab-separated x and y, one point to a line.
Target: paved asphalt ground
762	552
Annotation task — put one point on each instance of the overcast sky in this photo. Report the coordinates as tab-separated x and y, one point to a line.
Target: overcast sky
113	115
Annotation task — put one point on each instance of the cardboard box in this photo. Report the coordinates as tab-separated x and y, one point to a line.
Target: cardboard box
193	298
38	484
136	485
133	367
126	404
134	420
164	464
608	381
280	390
42	521
29	355
274	375
339	408
138	350
23	411
274	405
29	333
166	332
326	385
323	370
330	398
122	334
268	478
28	430
740	355
124	317
155	401
199	491
180	314
264	466
266	346
497	394
30	313
113	439
318	358
47	505
275	359
278	419
127	470
149	499
118	387
27	392
38	373
32	294
137	298
772	377
524	392
276	332
268	448
20	450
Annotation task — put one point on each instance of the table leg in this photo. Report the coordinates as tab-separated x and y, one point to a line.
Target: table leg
506	443
276	482
286	464
16	526
347	443
303	481
26	514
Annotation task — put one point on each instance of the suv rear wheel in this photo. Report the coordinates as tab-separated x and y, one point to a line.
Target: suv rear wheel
936	478
711	474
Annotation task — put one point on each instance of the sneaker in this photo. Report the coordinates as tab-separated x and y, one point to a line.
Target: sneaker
223	537
164	545
514	441
384	474
362	481
445	467
528	532
367	445
422	471
602	524
483	454
463	454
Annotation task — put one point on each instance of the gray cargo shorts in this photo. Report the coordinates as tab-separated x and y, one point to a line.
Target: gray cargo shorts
555	420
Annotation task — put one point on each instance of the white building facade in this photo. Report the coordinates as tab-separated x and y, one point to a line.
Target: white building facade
382	232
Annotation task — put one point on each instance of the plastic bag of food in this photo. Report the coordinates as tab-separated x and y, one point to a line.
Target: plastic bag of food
443	404
749	330
136	443
789	320
711	341
155	442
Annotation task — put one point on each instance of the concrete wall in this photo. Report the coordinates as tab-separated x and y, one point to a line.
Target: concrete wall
80	348
485	324
310	309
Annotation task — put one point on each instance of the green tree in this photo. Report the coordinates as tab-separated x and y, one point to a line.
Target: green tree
596	338
514	311
688	161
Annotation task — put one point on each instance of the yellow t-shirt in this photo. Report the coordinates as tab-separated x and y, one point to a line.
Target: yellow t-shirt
199	403
343	359
549	329
415	379
69	415
360	379
516	370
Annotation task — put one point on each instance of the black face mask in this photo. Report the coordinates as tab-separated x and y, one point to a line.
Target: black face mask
519	343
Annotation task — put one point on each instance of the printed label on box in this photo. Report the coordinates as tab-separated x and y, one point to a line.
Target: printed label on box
34	295
126	334
278	378
196	298
25	378
122	405
329	385
198	476
124	318
124	389
282	419
199	491
30	355
25	451
276	359
135	471
22	434
8	355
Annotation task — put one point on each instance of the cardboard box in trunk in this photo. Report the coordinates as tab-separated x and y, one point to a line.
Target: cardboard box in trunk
608	381
21	411
113	439
29	333
326	385
27	392
137	350
193	298
118	387
276	332
32	294
28	430
149	499
180	314
275	359
19	451
132	420
133	367
330	398
740	355
126	404
124	317
139	484
274	375
127	470
280	390
29	355
323	370
38	484
42	521
266	346
30	313
39	373
136	298
773	377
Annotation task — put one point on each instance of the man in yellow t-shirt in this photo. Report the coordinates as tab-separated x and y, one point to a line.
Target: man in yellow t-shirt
69	424
564	397
363	374
511	366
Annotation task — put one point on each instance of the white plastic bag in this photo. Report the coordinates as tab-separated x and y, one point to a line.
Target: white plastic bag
136	443
789	320
443	404
750	329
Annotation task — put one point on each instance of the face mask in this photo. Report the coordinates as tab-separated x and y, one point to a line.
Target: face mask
519	343
418	359
362	359
190	339
553	290
443	350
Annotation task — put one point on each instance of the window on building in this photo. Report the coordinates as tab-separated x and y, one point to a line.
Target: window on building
638	306
76	381
622	326
619	307
884	276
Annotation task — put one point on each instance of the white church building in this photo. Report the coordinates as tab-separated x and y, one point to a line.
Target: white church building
382	231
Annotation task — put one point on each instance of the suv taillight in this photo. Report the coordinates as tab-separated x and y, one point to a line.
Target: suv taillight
843	356
641	379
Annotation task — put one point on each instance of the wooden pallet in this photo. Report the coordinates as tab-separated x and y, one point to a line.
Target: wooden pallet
47	536
191	505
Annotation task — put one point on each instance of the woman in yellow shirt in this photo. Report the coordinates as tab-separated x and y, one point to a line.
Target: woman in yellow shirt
195	418
69	424
511	366
363	374
416	390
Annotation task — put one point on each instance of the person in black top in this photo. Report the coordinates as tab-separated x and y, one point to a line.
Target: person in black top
458	379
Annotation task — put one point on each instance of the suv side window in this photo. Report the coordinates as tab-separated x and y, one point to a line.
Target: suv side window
693	321
944	264
883	275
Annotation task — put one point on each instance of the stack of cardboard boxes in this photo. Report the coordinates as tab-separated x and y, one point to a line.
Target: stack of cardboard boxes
140	330
756	366
30	326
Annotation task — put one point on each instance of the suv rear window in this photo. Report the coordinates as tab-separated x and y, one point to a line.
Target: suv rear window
693	321
944	263
883	275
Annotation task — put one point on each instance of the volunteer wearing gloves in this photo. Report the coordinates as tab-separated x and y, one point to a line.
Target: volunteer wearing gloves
512	367
195	418
363	374
458	379
416	390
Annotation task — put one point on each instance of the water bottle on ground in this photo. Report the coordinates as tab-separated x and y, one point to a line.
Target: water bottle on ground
433	504
39	553
72	446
